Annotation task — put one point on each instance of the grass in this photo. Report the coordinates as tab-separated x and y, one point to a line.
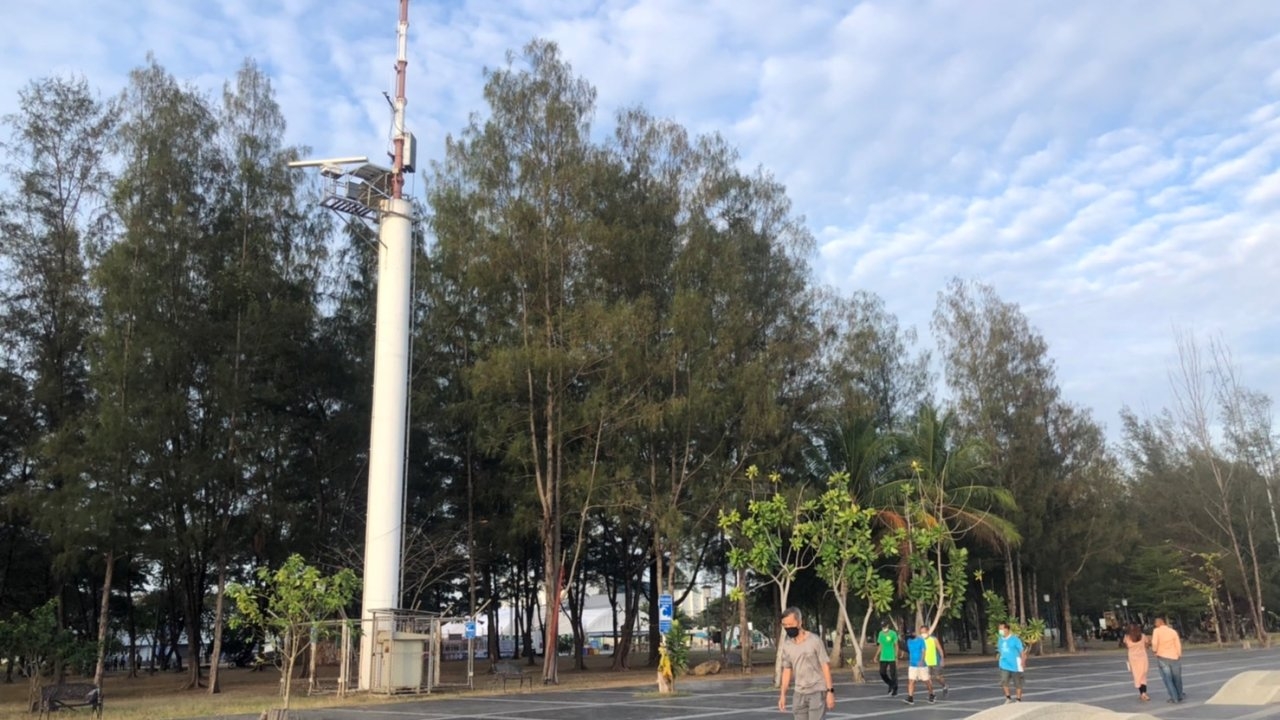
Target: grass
163	695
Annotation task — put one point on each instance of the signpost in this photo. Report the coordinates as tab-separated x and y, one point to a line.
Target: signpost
666	612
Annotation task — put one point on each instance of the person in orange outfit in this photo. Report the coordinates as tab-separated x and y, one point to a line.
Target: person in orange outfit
1137	643
1167	647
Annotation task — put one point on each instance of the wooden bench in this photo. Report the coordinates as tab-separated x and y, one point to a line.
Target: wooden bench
505	671
70	695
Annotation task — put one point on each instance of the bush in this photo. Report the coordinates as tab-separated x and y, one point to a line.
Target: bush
998	612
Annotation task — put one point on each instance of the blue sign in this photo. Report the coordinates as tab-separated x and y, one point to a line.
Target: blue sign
471	630
666	612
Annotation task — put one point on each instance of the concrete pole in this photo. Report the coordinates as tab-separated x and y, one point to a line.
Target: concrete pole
384	526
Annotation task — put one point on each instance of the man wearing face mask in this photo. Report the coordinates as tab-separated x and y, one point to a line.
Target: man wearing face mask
804	657
1013	658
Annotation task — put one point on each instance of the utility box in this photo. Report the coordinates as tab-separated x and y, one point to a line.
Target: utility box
403	656
410	157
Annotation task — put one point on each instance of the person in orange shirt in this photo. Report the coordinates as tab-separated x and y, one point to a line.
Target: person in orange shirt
1167	647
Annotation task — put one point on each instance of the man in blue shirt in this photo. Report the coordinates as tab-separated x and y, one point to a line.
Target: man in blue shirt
1013	656
916	668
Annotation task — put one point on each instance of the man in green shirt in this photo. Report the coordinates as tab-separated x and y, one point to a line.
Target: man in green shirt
888	642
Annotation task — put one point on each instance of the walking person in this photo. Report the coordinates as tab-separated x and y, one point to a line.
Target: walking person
1137	643
888	642
917	671
804	658
1012	653
1167	647
933	659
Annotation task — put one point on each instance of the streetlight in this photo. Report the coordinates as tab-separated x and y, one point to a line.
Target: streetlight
1124	602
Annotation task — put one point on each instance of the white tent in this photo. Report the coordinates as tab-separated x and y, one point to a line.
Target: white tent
597	618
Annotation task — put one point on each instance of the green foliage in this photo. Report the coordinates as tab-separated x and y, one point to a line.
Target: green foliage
288	602
1206	580
294	595
842	535
769	539
676	647
1170	577
35	640
998	612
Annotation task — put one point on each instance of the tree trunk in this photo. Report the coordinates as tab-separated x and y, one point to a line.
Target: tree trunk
290	657
132	620
1255	604
1068	632
784	592
550	646
104	618
630	613
859	675
193	597
218	609
837	649
744	628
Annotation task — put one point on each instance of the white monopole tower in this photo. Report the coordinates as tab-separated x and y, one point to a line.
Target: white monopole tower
376	193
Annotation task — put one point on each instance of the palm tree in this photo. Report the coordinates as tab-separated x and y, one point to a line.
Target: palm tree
941	492
852	444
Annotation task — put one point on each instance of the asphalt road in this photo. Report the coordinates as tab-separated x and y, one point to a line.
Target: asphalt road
1098	679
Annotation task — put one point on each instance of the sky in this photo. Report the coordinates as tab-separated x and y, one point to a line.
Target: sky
1112	167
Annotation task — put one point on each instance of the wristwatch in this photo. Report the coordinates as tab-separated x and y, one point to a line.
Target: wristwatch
831	690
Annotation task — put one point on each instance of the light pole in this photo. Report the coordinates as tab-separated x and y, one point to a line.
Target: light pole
1048	613
706	612
1124	603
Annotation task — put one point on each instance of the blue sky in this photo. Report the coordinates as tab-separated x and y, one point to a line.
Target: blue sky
1111	167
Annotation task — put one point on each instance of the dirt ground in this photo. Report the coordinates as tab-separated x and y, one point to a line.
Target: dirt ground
164	694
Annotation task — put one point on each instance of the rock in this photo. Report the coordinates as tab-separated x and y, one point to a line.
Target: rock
710	667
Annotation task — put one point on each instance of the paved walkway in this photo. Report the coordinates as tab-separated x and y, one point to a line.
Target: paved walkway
1096	679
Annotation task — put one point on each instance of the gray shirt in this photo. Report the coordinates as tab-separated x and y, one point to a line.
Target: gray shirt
805	658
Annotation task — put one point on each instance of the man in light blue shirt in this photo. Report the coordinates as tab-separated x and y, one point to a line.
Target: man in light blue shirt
1013	656
917	671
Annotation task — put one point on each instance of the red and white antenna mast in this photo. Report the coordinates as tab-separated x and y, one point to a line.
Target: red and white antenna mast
400	140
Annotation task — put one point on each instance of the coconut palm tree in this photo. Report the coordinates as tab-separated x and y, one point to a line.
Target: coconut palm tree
941	498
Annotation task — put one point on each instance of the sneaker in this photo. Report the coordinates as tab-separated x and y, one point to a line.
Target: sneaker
894	692
1007	699
1019	698
945	689
932	699
910	700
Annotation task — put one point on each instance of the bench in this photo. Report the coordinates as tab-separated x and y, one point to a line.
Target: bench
70	695
505	671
